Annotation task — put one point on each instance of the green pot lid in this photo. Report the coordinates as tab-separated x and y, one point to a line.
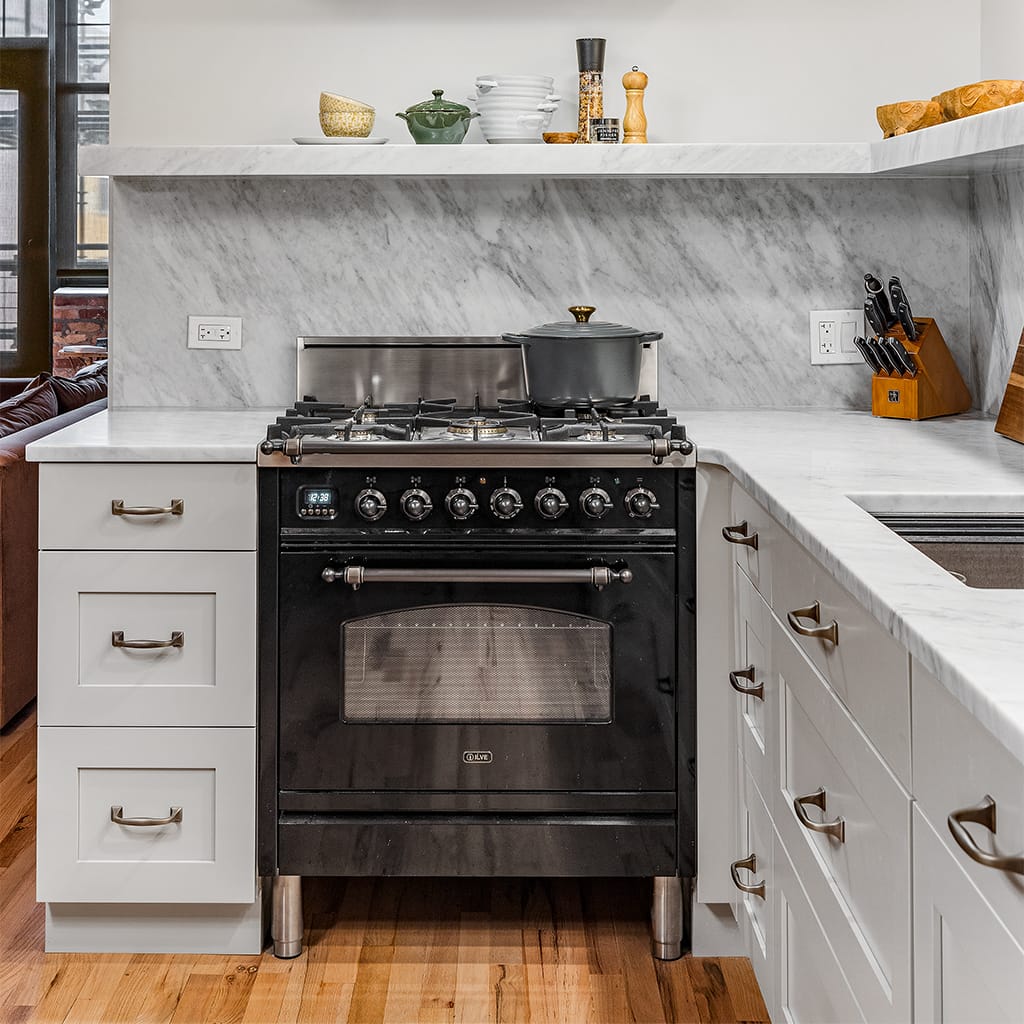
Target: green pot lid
438	105
582	327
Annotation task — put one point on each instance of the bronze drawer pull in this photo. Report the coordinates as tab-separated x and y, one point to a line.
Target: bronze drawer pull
738	535
117	817
836	828
982	814
117	640
813	612
757	690
176	508
747	864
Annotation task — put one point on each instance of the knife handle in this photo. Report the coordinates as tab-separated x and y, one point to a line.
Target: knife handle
868	355
873	317
907	321
876	291
883	357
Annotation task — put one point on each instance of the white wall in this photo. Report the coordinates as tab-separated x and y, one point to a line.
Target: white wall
249	71
1002	39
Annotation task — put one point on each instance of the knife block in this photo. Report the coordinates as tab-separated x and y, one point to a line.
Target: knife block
937	390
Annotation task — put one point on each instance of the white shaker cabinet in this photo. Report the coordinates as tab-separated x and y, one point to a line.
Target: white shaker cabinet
147	703
887	833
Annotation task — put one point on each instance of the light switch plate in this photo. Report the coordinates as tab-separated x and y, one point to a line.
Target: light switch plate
831	335
219	332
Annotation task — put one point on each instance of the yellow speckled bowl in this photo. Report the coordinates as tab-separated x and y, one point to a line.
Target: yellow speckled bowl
331	102
355	124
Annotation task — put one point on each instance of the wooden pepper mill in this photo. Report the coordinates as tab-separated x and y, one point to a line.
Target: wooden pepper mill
634	122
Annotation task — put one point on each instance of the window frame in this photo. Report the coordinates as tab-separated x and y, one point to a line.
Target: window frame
66	91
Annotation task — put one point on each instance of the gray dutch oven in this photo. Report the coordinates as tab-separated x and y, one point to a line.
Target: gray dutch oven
579	363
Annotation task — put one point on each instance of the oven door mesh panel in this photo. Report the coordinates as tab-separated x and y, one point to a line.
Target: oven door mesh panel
476	663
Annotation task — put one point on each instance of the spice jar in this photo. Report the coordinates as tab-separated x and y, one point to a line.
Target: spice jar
590	55
604	129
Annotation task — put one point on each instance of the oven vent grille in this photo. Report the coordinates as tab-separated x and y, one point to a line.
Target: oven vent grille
476	664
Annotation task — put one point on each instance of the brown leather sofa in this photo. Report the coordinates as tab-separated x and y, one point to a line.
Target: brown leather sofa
19	506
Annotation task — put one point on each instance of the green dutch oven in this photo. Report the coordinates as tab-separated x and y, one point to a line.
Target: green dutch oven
438	122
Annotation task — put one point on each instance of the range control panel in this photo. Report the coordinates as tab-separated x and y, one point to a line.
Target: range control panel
527	499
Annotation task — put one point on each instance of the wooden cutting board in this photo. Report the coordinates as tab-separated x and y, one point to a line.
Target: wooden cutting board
1011	413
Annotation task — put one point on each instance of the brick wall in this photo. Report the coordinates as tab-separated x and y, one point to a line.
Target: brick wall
79	318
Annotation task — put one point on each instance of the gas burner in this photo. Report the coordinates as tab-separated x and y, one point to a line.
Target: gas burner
477	426
350	434
599	433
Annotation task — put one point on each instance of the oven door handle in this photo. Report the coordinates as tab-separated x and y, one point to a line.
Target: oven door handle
356	575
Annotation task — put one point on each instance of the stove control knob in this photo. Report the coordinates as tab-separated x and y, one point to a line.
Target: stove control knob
550	503
506	503
371	504
640	503
595	502
461	504
416	504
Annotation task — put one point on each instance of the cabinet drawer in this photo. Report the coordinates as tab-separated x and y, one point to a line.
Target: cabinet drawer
967	965
753	543
206	857
981	767
858	881
867	668
812	986
755	714
217	510
93	604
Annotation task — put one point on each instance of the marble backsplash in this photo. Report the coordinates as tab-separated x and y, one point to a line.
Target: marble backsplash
997	283
728	269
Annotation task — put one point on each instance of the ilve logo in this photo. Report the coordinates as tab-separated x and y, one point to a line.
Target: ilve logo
477	757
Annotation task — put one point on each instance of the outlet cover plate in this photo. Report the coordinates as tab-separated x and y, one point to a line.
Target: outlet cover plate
215	332
831	333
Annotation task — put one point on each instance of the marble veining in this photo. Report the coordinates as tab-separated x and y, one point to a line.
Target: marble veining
997	283
727	269
817	473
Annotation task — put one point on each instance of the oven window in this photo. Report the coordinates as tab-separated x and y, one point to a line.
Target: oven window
476	663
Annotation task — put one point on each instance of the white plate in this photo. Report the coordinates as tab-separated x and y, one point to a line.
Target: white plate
338	140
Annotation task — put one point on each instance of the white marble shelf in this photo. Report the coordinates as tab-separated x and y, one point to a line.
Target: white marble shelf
982	144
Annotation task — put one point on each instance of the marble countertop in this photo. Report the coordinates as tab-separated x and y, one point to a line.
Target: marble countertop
815	471
818	472
157	435
987	143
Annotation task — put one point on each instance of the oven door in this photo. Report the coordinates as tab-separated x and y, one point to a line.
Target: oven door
500	669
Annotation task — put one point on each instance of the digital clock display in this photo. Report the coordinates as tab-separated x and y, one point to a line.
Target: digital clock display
318	497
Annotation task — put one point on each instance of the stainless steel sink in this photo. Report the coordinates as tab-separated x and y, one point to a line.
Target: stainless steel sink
984	551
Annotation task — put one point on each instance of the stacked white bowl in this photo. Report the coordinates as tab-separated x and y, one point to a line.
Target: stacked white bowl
515	108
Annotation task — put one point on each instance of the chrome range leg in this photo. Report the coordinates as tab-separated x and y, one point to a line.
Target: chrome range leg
286	916
667	917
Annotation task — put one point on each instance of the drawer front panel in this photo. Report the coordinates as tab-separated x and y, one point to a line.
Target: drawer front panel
755	714
217	510
967	965
867	668
756	562
200	609
982	767
754	914
208	856
812	986
859	883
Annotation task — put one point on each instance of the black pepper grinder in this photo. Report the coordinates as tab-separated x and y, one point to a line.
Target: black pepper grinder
590	55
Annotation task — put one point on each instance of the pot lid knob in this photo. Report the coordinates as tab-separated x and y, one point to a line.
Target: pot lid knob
582	313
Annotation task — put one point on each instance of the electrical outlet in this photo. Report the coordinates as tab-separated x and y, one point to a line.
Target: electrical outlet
831	334
220	332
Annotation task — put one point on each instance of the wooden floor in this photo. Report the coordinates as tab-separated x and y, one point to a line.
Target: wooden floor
412	952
